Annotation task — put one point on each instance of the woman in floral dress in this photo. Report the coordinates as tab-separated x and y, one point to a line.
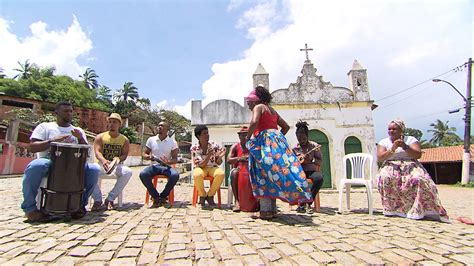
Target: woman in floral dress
405	186
274	169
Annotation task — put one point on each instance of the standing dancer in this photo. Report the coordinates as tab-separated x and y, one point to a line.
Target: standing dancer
274	169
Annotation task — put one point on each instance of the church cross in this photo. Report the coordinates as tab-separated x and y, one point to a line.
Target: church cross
306	49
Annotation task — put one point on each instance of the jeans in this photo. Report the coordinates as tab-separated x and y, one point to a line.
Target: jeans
39	168
123	174
147	174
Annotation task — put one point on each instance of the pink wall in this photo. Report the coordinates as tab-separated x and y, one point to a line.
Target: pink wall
14	159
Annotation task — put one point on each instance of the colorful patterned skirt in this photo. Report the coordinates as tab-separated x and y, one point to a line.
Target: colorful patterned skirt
407	190
274	169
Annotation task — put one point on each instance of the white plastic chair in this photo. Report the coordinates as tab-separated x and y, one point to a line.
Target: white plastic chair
360	164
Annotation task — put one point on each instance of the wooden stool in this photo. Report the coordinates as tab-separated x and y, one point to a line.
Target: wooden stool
195	192
155	182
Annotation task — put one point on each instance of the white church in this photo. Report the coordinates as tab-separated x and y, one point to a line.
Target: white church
339	118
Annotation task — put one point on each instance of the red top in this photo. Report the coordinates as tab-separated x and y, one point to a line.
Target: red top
267	121
240	152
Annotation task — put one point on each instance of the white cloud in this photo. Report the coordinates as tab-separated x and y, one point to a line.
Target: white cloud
162	104
44	47
394	40
184	110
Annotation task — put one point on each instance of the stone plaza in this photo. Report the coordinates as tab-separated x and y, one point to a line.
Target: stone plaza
187	235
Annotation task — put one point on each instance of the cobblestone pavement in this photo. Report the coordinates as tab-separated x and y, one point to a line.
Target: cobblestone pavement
184	235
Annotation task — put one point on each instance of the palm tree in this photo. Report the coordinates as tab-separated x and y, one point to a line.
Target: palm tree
24	70
128	93
441	131
2	73
90	78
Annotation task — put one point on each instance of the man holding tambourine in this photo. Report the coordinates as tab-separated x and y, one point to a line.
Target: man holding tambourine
111	149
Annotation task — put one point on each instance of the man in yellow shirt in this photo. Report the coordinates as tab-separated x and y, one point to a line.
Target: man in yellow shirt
107	146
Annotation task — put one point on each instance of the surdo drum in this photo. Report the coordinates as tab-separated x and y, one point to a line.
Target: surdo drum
65	186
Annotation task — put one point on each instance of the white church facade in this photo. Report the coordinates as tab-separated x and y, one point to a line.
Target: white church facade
339	118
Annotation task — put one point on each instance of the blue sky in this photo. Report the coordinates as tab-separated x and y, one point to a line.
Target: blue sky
176	51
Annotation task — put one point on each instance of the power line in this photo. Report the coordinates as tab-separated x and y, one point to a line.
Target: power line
456	69
413	94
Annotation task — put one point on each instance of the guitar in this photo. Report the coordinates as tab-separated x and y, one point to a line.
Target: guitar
302	156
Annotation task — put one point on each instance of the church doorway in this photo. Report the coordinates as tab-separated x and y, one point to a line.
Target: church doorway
351	145
321	138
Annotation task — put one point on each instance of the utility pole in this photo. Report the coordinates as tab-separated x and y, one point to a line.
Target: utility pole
467	128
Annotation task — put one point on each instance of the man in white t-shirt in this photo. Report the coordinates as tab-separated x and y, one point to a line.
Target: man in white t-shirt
164	148
42	136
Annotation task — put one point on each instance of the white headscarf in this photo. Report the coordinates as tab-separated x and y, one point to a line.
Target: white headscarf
400	123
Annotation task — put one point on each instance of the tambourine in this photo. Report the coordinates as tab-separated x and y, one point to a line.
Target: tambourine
112	165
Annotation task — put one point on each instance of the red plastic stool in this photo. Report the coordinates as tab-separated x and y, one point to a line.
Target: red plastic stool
155	182
195	192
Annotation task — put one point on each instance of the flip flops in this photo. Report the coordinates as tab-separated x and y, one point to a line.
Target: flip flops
465	220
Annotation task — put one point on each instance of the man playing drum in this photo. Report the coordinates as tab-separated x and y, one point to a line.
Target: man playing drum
165	149
41	138
238	157
108	146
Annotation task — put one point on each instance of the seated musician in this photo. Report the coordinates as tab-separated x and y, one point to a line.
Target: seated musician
310	159
42	136
207	156
166	149
107	146
238	157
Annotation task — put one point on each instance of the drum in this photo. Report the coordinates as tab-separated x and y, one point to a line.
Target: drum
65	185
247	201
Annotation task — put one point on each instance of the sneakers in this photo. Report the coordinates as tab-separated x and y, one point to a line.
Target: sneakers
211	202
160	202
301	209
156	203
97	206
79	214
202	201
36	217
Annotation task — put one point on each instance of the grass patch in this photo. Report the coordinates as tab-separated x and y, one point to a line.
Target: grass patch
468	185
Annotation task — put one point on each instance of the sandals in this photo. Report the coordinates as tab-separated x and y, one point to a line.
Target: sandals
236	207
465	220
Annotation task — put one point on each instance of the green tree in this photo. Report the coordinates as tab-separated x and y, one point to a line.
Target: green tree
104	94
24	72
130	133
90	78
128	93
413	132
2	73
31	119
442	133
451	140
42	72
144	103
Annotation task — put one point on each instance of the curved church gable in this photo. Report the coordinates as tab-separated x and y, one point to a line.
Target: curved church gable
311	88
220	112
